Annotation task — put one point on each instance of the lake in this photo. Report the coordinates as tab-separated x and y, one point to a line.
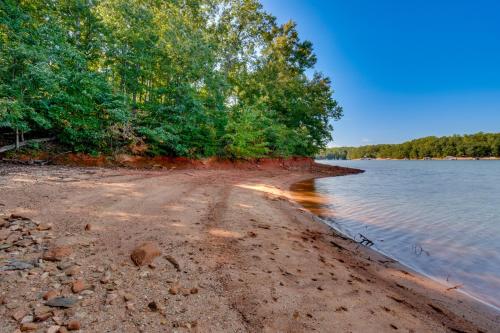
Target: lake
441	218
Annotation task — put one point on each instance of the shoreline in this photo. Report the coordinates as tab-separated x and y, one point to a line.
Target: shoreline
239	238
319	213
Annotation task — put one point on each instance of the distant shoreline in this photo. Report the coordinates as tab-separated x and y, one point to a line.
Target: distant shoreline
418	159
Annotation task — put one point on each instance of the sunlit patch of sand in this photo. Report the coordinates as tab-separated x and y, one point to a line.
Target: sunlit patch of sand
224	233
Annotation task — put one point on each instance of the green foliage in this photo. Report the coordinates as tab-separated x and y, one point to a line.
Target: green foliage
186	78
475	145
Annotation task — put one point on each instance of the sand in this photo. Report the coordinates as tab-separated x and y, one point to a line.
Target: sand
251	259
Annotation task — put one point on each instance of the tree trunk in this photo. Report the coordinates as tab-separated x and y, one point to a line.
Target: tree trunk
17	139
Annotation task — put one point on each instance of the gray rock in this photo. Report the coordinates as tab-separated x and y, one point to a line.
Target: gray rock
61	302
14	264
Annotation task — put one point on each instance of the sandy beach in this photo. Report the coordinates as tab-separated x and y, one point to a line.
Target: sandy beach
238	253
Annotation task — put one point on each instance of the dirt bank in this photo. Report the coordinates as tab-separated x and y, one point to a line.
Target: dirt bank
237	255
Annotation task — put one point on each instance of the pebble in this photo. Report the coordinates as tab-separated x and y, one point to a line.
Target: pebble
53	329
19	314
27	319
73	325
78	286
29	327
145	253
58	253
50	294
72	271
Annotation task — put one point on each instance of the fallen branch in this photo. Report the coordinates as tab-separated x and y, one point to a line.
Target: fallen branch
27	162
24	143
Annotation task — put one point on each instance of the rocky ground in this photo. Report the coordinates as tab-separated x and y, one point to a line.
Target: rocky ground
102	250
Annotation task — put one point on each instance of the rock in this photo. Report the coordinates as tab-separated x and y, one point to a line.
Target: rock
145	253
62	330
185	291
29	327
89	227
194	291
57	253
174	290
78	286
61	302
27	319
19	314
53	329
44	226
65	265
50	294
72	271
73	325
43	316
58	320
17	265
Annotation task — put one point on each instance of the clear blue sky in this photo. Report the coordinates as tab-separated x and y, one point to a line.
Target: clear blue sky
404	69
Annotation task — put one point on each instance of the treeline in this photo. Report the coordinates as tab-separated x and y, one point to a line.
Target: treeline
475	145
174	77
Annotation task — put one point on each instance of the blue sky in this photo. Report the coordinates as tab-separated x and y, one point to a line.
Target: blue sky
404	69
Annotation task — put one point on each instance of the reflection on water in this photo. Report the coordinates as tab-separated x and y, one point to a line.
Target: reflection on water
441	218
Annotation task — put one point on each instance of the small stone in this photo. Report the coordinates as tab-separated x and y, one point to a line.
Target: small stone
43	316
145	253
194	291
89	227
78	286
44	226
53	329
57	253
72	271
87	292
58	320
174	290
61	302
73	325
27	319
50	294
29	327
62	330
185	291
19	314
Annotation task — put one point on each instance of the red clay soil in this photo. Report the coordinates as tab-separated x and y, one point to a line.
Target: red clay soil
166	162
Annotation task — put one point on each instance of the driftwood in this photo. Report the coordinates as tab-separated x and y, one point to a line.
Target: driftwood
23	143
365	241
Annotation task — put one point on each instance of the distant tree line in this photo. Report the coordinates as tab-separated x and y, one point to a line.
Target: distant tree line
182	78
475	145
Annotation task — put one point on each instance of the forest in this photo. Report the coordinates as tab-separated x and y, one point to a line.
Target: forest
474	145
192	78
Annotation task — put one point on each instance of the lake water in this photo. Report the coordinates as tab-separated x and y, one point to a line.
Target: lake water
441	218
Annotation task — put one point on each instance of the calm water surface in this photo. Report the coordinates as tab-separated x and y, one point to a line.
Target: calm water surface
441	218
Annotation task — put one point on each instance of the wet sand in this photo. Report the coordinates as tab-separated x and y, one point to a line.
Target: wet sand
258	261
